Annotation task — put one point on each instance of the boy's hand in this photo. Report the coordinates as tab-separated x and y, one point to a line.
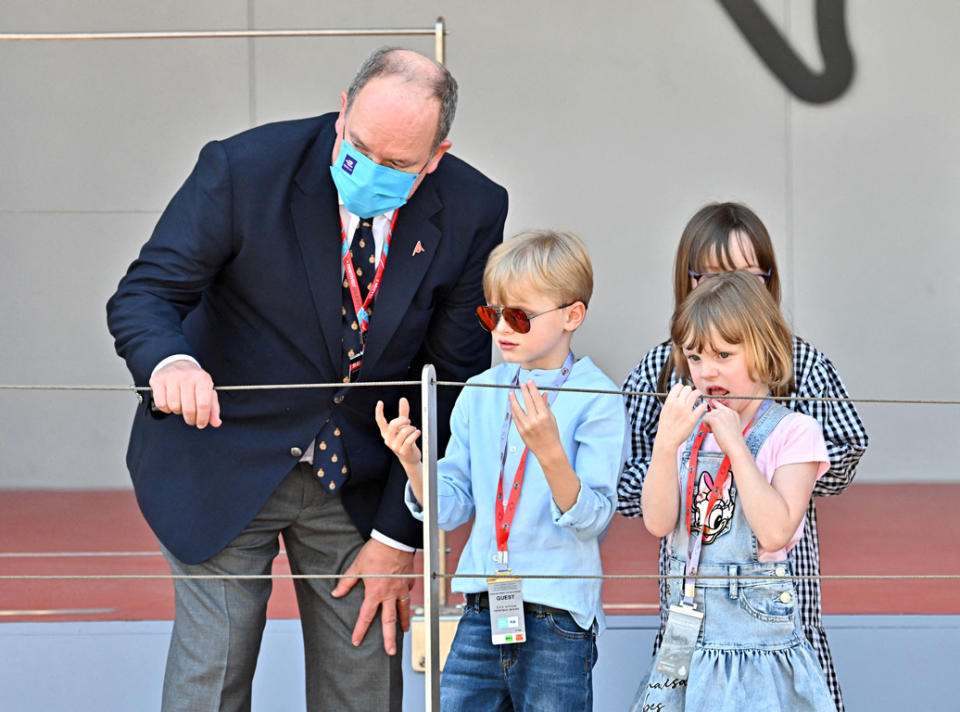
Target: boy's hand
535	421
724	423
399	434
679	415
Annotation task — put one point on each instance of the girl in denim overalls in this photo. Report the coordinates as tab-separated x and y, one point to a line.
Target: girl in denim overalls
731	479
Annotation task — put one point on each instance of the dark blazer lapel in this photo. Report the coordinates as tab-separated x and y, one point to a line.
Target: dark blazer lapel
316	219
405	270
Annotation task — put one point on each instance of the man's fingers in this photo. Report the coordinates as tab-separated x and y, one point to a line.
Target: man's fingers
159	395
184	388
188	402
344	585
388	616
173	398
203	398
404	610
404	408
215	420
368	611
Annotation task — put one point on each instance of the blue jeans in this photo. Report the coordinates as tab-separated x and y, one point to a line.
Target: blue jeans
551	671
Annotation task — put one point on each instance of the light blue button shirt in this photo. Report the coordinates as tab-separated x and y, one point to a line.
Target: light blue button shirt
543	540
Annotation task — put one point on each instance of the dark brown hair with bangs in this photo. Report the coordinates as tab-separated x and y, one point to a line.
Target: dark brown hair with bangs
735	307
707	236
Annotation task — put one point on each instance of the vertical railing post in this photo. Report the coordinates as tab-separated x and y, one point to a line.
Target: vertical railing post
439	41
431	553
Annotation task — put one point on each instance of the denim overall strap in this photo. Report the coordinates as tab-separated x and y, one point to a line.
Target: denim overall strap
764	425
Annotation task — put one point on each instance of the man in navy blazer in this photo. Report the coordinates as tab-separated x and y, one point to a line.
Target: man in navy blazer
243	282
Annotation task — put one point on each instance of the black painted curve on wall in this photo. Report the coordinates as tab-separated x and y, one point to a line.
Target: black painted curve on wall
772	47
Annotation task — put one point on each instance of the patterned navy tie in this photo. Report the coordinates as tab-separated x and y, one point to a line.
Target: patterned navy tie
329	456
362	254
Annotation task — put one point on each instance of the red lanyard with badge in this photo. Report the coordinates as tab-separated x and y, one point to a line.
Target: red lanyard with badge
504	592
360	305
684	621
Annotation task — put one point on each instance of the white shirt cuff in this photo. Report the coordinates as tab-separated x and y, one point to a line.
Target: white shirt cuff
171	359
384	539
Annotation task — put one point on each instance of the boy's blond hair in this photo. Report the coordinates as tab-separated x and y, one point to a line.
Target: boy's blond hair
736	307
557	263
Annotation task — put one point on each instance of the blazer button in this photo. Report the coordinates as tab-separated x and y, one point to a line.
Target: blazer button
296	452
338	399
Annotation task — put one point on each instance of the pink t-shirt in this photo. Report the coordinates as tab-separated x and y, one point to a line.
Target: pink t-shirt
797	438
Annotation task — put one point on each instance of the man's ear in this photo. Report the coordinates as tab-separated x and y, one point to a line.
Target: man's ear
343	112
437	155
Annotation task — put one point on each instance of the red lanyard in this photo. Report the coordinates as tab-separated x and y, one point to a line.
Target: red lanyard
719	481
505	515
360	306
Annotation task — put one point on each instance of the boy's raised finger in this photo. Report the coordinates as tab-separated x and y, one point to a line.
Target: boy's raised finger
519	414
411	439
380	418
531	397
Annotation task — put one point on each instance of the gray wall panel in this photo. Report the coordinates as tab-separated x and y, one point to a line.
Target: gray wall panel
616	121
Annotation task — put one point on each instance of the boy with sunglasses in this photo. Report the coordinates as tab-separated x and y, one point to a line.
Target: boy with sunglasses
526	642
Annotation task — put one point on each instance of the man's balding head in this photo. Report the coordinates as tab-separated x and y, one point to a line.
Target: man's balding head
409	66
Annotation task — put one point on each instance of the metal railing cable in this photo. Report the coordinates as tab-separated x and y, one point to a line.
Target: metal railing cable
439	576
248	387
463	384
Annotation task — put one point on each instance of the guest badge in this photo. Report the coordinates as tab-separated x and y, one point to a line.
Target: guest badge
679	640
506	610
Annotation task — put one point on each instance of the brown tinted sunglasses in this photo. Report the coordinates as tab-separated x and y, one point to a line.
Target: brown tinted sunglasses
517	319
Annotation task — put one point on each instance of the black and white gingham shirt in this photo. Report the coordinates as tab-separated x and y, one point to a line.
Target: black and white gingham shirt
846	441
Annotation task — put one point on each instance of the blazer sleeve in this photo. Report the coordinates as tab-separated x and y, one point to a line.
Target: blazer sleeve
458	349
188	247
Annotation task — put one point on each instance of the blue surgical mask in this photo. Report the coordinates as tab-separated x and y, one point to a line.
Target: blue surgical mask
367	188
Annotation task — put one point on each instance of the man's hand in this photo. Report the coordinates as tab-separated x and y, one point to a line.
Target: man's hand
182	387
392	593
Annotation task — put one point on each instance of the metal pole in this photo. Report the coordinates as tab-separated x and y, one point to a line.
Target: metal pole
431	552
439	46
